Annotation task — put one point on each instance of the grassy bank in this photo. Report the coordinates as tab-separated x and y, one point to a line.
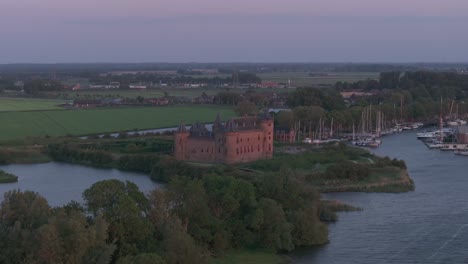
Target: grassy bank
22	155
17	125
340	168
328	210
388	179
7	177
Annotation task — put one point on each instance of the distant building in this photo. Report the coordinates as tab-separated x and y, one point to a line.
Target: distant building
238	140
111	85
19	84
350	94
137	86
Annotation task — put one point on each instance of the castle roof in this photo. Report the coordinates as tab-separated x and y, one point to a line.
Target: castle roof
199	129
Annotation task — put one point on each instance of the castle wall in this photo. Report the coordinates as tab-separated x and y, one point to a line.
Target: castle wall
180	146
231	147
201	150
244	146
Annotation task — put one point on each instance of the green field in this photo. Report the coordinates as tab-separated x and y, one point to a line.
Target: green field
17	125
152	93
300	79
19	104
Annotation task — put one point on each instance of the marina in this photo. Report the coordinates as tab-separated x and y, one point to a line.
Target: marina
425	226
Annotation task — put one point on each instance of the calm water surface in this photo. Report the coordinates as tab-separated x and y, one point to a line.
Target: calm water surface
429	225
60	183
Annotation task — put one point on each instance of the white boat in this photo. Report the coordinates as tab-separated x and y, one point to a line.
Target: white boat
457	122
435	145
426	135
461	153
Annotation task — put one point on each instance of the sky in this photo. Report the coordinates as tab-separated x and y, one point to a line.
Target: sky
66	31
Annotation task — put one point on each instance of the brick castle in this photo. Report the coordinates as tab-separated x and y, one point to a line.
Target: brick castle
238	140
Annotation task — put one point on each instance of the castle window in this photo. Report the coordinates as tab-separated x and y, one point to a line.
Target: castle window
237	151
219	150
258	137
258	148
202	150
248	139
241	139
269	138
269	147
237	140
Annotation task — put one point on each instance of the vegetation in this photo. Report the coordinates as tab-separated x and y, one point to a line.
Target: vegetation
339	168
7	177
189	221
60	123
250	257
329	208
20	104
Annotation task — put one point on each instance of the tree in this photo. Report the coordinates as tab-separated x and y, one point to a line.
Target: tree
284	119
245	108
32	232
144	258
179	247
124	207
275	231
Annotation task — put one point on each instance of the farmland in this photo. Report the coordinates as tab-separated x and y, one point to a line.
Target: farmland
152	93
300	79
16	125
19	104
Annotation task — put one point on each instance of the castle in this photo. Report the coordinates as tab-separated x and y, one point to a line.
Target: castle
238	140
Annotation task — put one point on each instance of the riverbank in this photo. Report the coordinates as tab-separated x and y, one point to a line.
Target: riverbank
385	180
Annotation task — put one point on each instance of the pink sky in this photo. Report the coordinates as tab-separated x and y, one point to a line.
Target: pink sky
242	30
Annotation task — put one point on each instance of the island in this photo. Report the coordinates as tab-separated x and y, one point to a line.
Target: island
7	177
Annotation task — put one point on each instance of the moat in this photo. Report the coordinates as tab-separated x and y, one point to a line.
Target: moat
429	225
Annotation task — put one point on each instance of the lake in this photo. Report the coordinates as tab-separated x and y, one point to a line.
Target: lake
60	183
429	225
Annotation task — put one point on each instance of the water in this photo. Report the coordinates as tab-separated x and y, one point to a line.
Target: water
429	225
60	183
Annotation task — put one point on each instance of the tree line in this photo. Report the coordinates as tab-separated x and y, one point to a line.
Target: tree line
191	220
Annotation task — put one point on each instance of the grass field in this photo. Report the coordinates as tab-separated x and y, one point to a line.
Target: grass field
17	125
19	104
153	93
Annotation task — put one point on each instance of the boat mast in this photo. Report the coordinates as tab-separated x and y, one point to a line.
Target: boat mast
441	136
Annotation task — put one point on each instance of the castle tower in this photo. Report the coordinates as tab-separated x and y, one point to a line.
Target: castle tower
180	140
266	123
